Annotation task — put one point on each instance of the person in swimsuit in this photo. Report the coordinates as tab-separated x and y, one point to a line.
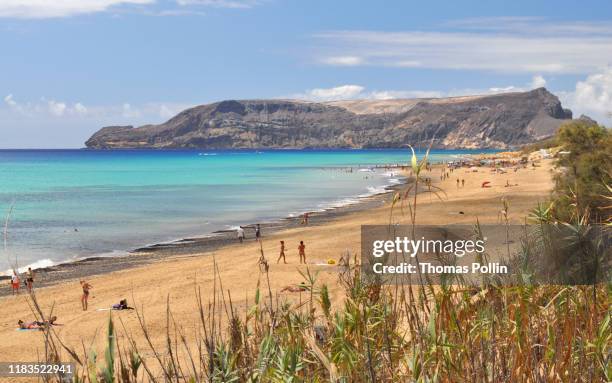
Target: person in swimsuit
282	253
302	251
30	279
37	324
258	232
15	283
28	325
85	286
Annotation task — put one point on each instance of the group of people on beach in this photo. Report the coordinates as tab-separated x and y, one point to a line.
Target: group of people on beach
29	282
16	281
301	246
241	235
301	252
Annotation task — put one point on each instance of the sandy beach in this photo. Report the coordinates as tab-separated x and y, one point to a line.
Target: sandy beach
176	278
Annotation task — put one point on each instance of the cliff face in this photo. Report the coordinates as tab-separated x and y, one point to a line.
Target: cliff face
495	121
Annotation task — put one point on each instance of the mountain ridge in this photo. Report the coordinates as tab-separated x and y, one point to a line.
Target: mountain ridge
482	121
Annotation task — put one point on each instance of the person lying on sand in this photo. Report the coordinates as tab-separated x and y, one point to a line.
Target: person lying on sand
37	324
122	305
28	326
295	288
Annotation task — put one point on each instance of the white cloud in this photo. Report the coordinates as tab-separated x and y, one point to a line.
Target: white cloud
39	9
592	96
392	94
532	25
499	45
342	92
56	108
80	108
504	89
348	92
10	101
342	60
538	81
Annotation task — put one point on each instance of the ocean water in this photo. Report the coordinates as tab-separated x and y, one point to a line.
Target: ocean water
72	204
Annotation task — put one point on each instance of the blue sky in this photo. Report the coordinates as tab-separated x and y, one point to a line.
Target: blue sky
69	67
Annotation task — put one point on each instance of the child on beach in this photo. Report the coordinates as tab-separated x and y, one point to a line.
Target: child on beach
240	233
282	253
258	232
15	283
302	251
86	287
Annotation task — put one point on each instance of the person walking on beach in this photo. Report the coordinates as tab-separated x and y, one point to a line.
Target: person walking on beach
305	219
462	182
30	279
282	253
15	283
302	251
457	183
86	287
258	232
240	233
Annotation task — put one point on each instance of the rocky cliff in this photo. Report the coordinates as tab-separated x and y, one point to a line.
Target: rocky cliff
494	121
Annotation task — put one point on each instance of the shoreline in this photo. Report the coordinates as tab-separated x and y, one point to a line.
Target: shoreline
177	277
196	246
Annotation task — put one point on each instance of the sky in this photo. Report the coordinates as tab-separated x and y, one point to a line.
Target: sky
69	67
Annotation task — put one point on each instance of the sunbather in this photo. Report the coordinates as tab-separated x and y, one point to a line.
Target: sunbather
122	305
295	288
37	324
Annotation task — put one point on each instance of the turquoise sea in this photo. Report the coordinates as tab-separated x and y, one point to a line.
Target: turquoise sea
71	204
